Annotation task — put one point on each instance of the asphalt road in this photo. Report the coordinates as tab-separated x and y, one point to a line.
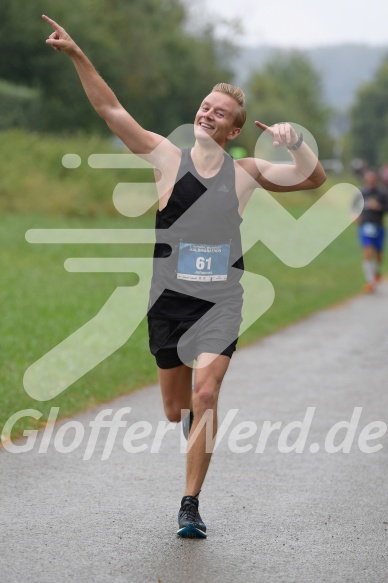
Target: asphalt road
272	516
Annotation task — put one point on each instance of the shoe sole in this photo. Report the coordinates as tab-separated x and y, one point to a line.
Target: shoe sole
191	531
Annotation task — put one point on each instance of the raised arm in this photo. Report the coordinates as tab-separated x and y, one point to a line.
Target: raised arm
102	98
306	173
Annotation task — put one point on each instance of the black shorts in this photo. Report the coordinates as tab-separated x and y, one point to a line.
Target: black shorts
208	335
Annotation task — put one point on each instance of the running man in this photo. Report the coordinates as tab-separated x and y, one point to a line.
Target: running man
196	295
371	228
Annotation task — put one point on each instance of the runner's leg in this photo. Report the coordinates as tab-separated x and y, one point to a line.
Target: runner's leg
207	384
369	264
175	385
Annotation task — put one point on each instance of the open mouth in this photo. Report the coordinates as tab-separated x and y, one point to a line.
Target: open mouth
206	126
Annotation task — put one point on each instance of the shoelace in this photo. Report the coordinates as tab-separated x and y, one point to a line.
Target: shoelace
190	512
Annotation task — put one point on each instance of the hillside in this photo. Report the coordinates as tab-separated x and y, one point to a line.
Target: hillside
343	67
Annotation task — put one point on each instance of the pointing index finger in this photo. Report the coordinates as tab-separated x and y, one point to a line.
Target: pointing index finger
52	22
262	126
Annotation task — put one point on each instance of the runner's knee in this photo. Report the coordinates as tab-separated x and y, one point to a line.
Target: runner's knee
205	397
173	411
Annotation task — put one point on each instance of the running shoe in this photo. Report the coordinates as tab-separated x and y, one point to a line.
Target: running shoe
189	519
369	288
187	422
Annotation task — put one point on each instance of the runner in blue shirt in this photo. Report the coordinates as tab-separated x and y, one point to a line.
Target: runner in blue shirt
371	228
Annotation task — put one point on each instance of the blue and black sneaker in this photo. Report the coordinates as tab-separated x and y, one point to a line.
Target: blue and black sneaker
189	519
187	422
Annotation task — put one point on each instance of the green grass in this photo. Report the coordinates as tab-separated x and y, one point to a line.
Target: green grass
43	304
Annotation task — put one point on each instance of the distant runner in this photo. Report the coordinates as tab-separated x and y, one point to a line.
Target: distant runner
371	228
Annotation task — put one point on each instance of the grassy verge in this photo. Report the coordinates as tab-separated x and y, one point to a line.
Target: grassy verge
33	179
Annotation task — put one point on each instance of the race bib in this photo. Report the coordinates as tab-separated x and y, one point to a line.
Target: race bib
370	230
203	262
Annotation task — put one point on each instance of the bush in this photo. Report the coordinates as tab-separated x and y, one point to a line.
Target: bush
33	179
18	105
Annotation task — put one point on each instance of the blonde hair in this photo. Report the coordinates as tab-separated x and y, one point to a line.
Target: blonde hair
238	95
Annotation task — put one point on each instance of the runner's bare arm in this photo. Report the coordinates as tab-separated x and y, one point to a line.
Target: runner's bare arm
306	173
102	98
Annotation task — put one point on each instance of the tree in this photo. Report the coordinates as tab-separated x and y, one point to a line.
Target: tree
142	48
289	89
369	119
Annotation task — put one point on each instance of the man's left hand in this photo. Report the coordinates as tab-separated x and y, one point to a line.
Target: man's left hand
282	134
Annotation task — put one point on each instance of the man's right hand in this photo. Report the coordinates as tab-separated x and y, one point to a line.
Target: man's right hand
59	39
120	122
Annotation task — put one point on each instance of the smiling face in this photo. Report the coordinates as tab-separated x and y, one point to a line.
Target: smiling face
216	118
